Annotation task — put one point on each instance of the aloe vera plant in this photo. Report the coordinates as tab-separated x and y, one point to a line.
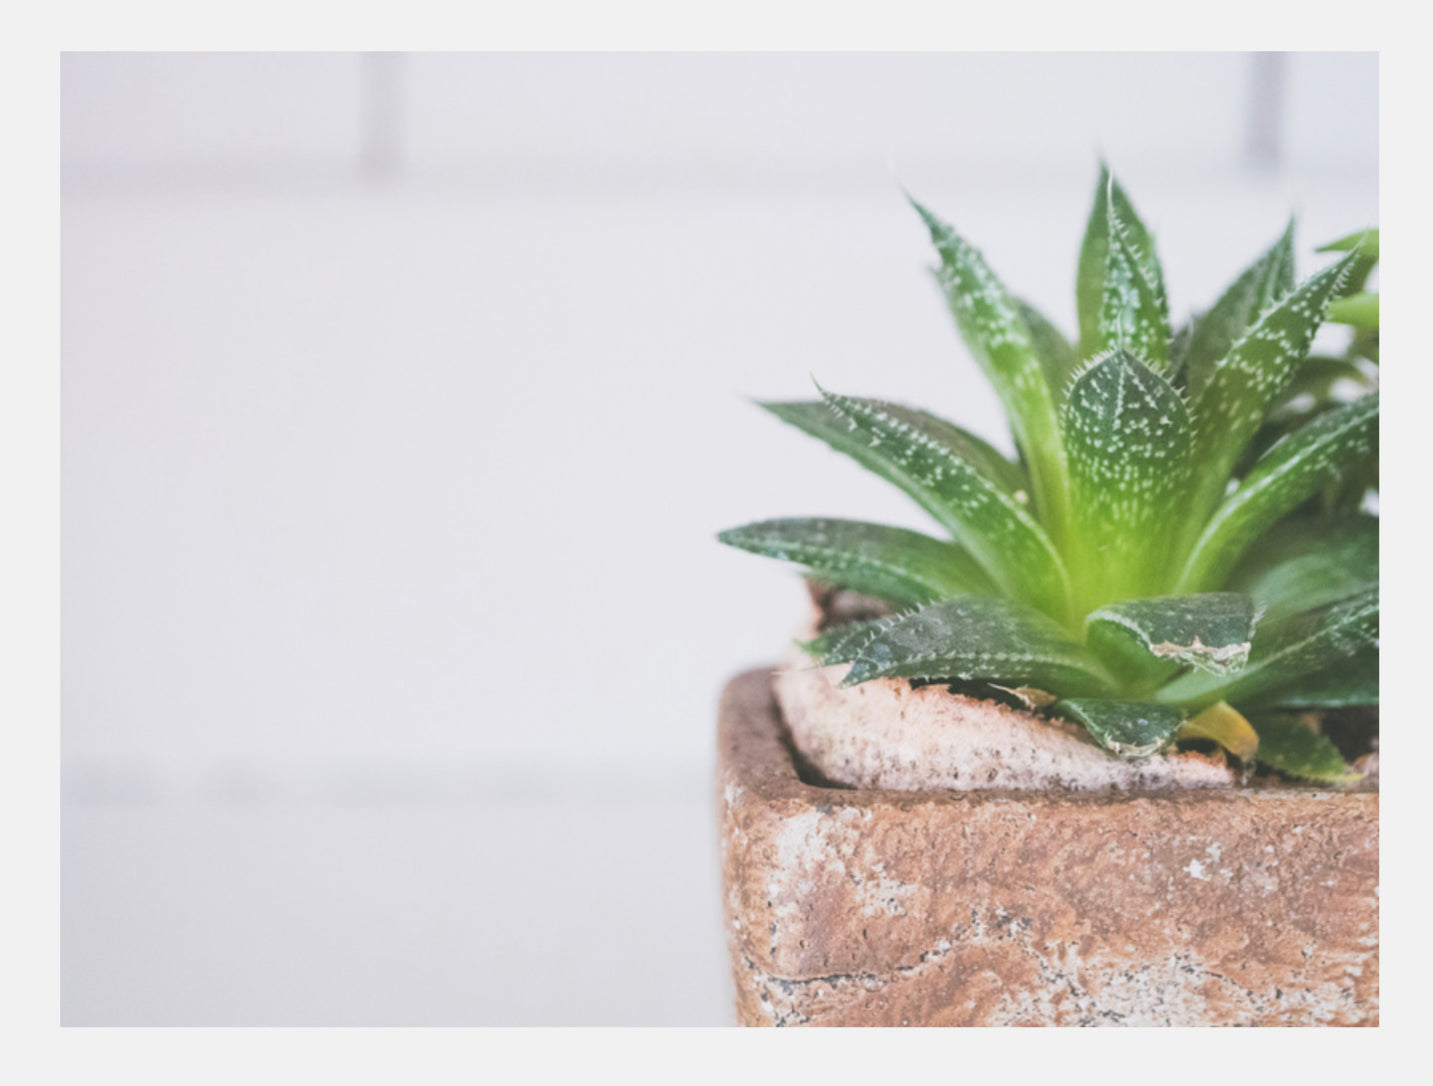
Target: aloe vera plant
1157	563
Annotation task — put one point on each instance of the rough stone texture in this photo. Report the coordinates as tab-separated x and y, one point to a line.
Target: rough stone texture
1188	907
885	734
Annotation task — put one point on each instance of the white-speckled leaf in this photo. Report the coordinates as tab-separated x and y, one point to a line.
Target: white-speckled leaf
1134	313
818	419
995	332
984	517
1287	653
1322	451
1364	243
892	564
1129	728
1154	637
1091	278
842	644
1245	382
979	639
1260	286
1128	434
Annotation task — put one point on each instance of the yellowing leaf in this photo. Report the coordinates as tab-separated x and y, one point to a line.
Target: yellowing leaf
1225	725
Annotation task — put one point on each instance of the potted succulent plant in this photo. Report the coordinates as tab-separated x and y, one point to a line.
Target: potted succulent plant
1106	752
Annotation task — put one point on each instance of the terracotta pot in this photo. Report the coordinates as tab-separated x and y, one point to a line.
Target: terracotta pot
1208	906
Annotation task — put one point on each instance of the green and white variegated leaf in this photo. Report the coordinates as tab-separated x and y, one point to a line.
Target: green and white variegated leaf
1091	279
1260	286
842	644
979	638
995	332
1288	653
1154	637
1354	682
1365	244
1320	384
1056	353
1296	750
1306	562
1128	436
892	564
1134	313
986	519
820	420
1231	405
1332	445
1129	728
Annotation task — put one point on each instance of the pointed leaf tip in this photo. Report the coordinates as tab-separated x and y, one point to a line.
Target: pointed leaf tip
892	564
1243	384
979	638
1131	729
933	222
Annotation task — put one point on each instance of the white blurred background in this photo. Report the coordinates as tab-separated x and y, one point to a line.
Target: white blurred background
402	396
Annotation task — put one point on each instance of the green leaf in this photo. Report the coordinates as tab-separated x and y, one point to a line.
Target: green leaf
1364	345
1134	313
1313	391
1359	310
1091	280
892	564
1129	728
1056	353
1261	285
978	638
842	644
985	518
1128	434
991	324
1317	376
1287	653
1352	682
1364	243
1291	747
1325	449
821	421
1152	638
1179	355
1306	562
1231	406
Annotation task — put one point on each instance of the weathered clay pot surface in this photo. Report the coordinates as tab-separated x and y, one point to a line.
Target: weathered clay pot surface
1249	906
886	734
